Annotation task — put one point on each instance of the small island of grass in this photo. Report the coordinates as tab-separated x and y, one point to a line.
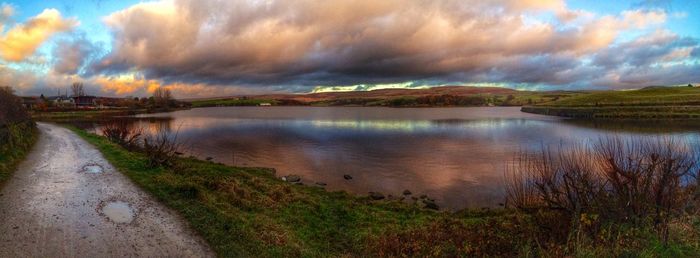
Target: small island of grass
655	102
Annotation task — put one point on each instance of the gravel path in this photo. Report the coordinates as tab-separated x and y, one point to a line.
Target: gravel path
66	200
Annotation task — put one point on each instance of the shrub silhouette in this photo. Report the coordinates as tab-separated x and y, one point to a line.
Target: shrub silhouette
637	181
11	109
122	133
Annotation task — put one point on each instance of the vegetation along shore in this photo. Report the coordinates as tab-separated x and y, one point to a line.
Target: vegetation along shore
17	132
252	212
614	197
646	103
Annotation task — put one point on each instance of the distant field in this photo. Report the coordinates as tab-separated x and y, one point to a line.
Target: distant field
631	112
650	96
432	97
230	102
650	102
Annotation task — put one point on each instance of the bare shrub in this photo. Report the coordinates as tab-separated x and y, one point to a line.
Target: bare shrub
559	180
161	148
11	109
122	133
630	180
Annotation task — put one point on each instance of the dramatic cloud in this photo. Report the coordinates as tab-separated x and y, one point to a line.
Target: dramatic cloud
23	39
347	42
70	55
135	85
214	47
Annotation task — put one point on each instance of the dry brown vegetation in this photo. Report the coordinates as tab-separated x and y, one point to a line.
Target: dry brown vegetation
607	187
161	148
611	198
123	133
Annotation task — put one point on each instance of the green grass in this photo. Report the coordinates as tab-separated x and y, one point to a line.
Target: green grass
646	103
650	96
245	212
250	212
627	112
231	102
16	140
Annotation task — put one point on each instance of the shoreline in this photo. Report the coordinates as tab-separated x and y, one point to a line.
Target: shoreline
642	113
217	199
244	211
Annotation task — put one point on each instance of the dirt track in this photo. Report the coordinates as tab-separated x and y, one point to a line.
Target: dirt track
66	200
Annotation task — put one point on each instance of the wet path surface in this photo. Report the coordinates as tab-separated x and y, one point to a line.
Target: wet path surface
66	200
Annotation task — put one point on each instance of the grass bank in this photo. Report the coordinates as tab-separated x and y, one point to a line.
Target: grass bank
245	212
16	140
627	112
647	103
250	212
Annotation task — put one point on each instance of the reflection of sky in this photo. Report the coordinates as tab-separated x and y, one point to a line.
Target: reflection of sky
457	155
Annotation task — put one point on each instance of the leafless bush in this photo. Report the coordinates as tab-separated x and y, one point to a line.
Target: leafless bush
630	180
11	109
122	133
161	148
559	180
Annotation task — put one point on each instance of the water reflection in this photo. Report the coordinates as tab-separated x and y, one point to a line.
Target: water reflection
456	155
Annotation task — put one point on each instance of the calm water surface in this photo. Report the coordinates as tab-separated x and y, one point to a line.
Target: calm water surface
455	155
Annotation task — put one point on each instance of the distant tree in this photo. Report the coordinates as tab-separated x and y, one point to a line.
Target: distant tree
78	89
690	85
510	98
162	97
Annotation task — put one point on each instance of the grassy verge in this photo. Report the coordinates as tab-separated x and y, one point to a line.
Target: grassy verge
650	96
245	212
16	140
628	112
250	212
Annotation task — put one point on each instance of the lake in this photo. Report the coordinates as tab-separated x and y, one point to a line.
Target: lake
454	155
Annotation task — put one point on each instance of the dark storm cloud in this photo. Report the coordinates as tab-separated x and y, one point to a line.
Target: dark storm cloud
301	43
70	54
661	46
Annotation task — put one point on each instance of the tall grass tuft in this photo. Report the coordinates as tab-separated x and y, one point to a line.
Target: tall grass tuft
123	133
607	183
161	147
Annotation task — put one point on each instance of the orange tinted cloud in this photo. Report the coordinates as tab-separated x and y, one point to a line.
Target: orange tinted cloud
22	40
133	85
347	42
126	85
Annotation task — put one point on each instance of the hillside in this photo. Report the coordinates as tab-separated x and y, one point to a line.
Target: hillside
436	96
649	96
656	102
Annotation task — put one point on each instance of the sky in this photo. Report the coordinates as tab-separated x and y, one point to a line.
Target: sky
206	48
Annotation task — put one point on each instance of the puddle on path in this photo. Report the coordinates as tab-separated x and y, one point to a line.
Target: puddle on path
93	169
119	212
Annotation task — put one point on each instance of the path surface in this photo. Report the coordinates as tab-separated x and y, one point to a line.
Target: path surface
55	206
